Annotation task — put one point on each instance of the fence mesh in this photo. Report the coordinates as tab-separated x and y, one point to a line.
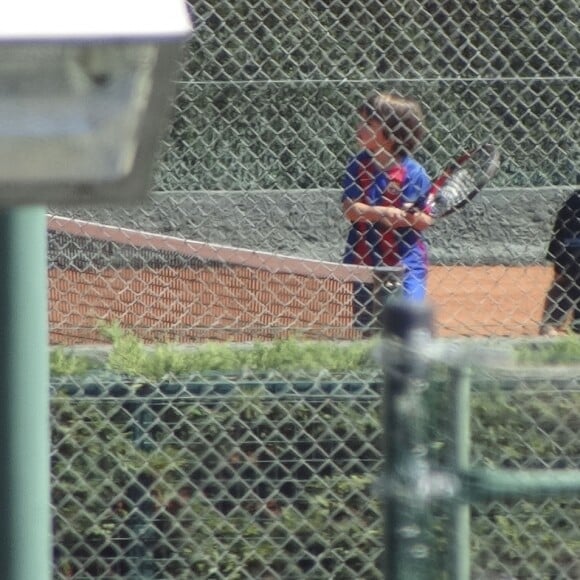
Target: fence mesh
264	124
216	479
271	477
533	420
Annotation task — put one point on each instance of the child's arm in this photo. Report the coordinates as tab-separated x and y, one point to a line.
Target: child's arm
418	220
355	211
388	216
412	217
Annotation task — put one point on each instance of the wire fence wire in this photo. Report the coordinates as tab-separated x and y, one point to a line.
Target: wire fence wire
264	125
274	476
215	478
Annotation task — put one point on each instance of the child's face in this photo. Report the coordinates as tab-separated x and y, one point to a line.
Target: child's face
370	136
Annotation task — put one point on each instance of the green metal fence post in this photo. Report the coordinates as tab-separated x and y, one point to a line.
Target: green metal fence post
25	544
406	510
460	443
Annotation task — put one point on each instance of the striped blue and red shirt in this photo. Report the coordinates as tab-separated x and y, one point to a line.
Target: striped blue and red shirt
374	244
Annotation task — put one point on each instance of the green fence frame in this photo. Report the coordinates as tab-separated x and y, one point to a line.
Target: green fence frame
410	487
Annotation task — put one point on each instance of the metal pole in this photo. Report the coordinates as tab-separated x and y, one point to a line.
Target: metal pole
25	539
406	472
460	460
532	484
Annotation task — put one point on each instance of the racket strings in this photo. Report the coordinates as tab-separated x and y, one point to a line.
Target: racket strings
457	189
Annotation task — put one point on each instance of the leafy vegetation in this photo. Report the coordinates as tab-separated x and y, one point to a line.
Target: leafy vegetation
64	363
564	350
282	481
130	356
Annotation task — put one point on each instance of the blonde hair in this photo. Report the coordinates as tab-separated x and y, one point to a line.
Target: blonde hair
401	117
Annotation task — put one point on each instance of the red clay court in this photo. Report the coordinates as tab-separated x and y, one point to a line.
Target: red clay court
219	303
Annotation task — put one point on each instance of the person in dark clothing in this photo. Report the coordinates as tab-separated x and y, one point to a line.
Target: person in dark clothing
563	296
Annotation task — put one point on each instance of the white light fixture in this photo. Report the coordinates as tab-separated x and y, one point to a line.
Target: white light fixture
85	95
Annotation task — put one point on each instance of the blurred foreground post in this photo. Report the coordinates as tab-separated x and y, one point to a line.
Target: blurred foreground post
85	104
407	326
411	486
24	397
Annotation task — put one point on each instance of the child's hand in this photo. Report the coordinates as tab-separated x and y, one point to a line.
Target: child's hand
393	217
393	214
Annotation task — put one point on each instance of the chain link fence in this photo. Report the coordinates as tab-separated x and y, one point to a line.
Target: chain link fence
274	476
520	538
264	125
245	478
270	476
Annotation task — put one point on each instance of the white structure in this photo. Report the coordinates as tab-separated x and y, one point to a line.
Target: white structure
85	92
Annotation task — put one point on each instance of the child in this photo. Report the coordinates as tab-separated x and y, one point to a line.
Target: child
381	184
563	295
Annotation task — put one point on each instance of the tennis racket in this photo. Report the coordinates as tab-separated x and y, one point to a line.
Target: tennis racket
462	180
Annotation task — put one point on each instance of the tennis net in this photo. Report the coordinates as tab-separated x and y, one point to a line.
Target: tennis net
167	288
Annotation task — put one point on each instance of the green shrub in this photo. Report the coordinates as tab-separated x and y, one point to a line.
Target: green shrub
64	363
272	462
130	356
558	351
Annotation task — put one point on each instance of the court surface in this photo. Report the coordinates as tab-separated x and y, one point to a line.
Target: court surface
488	300
190	305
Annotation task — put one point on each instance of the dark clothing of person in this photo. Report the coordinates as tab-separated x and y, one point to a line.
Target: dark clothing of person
563	296
564	247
